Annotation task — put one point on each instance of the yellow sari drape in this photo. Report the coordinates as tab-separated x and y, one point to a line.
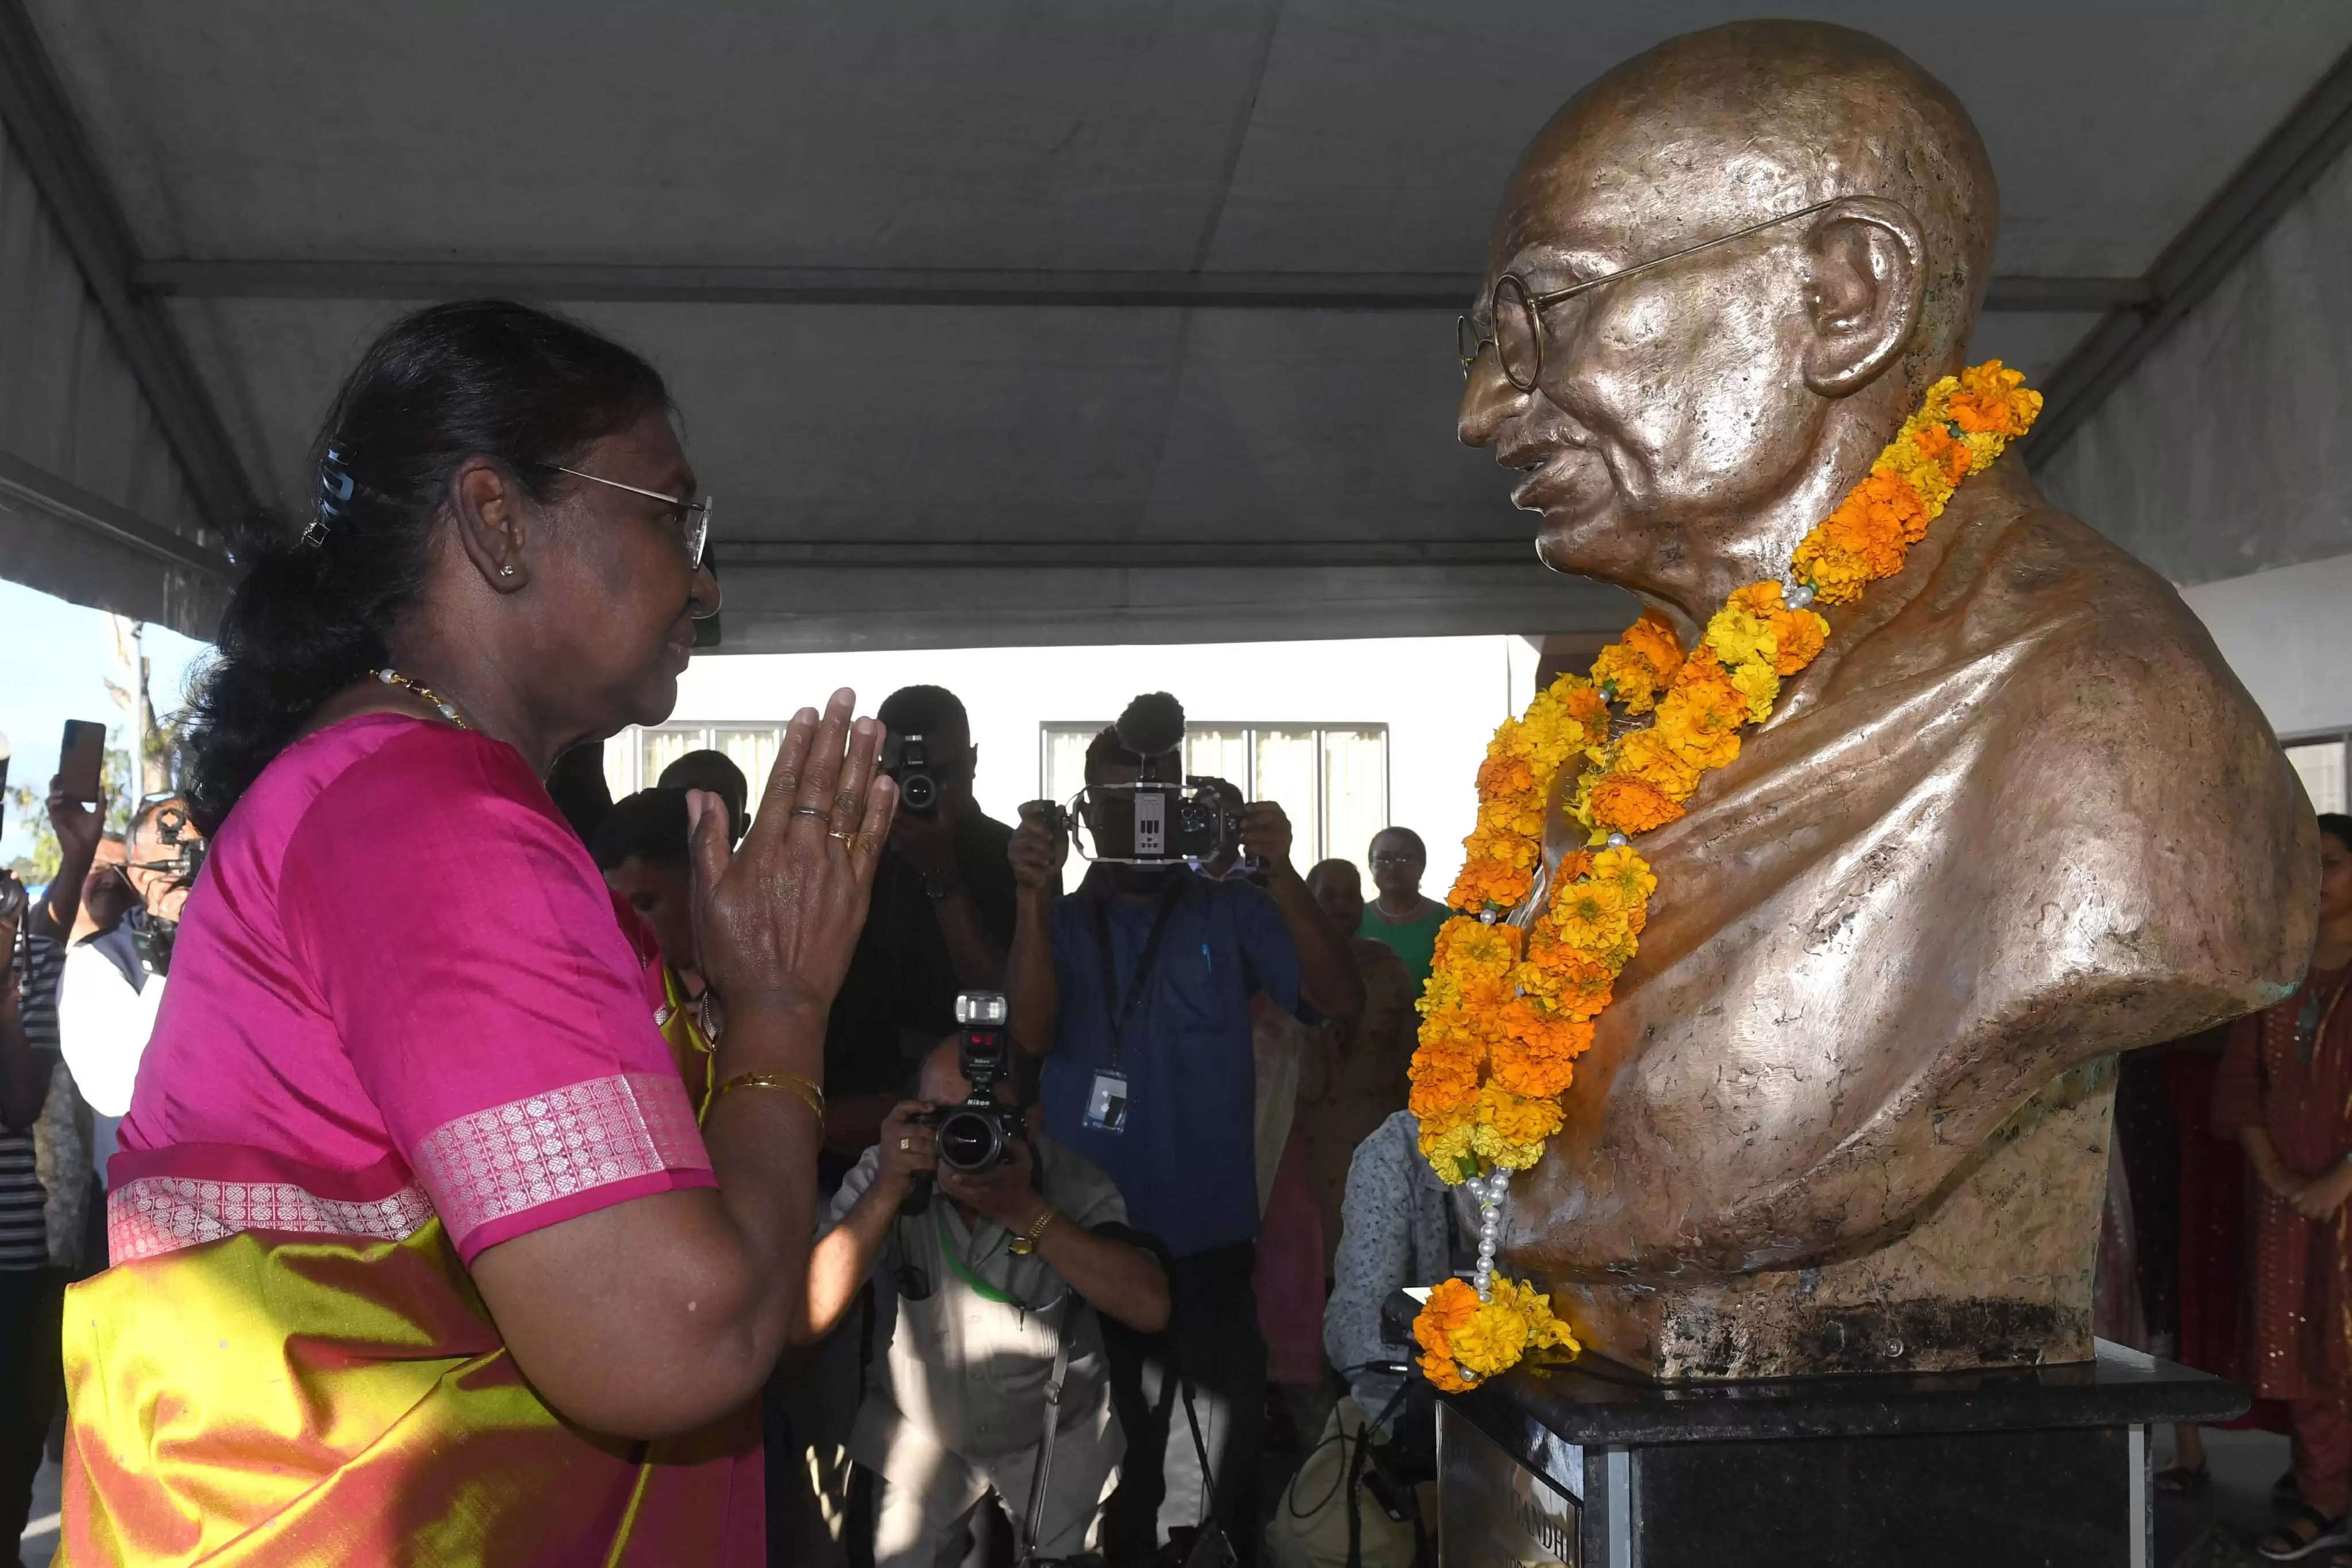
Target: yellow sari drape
269	1401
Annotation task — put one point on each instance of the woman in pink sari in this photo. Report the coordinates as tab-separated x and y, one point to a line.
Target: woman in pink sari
420	1256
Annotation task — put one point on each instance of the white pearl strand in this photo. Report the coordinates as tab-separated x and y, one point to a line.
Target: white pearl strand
1490	1191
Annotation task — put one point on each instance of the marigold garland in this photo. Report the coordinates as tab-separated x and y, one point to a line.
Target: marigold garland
1507	1012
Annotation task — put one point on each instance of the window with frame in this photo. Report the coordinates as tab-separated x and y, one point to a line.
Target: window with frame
1332	779
634	759
2324	763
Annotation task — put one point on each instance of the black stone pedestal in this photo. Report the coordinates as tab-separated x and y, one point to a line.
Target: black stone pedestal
1596	1466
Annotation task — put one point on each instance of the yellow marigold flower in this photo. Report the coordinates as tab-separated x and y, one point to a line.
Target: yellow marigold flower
1493	1340
1589	915
1496	1150
1625	870
1468	947
1759	684
1646	755
1739	635
1702	729
1516	1118
1446	1148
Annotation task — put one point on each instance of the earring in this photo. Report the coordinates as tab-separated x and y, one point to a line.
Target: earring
505	571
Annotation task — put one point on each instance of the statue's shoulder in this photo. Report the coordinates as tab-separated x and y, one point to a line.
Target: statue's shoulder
2100	643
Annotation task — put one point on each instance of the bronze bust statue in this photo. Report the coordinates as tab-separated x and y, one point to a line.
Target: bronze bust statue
1850	1107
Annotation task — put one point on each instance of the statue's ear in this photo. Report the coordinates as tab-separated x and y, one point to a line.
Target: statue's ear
1865	284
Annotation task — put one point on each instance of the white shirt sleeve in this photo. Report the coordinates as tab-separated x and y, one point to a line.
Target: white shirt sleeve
103	1028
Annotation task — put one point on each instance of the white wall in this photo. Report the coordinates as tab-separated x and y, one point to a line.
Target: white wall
1440	696
2287	632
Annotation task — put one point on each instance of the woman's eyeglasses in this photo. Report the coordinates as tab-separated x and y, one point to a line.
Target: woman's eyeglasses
694	516
1517	311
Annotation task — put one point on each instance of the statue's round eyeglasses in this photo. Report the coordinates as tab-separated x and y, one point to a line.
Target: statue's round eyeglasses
1518	310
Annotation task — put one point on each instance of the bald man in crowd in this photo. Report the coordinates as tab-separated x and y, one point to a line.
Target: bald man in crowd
2017	814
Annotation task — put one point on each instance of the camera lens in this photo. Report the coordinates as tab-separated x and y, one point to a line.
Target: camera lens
969	1141
918	792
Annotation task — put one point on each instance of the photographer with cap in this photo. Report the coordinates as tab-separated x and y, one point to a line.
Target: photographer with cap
941	919
112	985
990	1281
1137	991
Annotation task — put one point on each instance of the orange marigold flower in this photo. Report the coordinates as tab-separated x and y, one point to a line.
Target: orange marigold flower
1638	665
1629	805
1799	634
1936	444
1536	1059
1449	1309
1993	401
1652	635
1585	705
1892	502
1578	985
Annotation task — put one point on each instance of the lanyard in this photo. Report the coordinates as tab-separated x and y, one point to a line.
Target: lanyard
979	1287
1122	1012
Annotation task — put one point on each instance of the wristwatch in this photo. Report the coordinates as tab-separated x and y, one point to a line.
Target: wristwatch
1021	1246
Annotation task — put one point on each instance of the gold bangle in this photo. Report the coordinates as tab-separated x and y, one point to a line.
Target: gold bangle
791	1082
1021	1246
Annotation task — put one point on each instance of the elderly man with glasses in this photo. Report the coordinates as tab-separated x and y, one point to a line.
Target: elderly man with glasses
2018	813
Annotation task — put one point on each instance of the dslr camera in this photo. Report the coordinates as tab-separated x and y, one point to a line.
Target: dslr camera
1166	815
979	1135
908	760
151	936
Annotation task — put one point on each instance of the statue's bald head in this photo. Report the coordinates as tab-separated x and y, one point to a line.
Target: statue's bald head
1714	131
1680	425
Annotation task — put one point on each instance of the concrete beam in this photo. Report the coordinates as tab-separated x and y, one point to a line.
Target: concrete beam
44	491
260	278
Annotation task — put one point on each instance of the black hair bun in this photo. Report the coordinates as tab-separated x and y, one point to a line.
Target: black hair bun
1152	725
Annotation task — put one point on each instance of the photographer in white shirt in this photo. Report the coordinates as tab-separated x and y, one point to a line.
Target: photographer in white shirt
113	980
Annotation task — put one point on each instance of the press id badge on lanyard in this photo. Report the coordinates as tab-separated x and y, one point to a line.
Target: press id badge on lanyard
1107	1101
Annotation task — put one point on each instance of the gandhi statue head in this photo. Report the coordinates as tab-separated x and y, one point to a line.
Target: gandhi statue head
1786	228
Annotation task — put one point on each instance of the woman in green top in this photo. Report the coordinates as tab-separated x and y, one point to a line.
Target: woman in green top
1400	917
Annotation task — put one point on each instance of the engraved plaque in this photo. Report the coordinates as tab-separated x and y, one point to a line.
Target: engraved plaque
1492	1511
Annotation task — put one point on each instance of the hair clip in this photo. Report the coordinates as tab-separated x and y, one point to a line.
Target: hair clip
336	488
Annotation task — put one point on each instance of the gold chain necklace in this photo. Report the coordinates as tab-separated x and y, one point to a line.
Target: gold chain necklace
393	677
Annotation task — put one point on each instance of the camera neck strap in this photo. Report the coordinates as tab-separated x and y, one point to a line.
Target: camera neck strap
1120	1008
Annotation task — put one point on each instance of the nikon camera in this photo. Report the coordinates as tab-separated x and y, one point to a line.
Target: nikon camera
979	1135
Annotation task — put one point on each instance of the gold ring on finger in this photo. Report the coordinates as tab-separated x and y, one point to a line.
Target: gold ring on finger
906	1145
850	839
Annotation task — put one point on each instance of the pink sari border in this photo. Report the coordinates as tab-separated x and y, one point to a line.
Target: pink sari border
150	1215
556	1146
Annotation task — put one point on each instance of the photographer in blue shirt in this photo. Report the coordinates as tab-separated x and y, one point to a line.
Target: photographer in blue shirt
1137	990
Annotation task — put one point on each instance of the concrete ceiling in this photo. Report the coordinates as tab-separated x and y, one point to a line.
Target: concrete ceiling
1197	472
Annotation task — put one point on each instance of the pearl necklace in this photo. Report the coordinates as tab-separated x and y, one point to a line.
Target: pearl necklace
393	677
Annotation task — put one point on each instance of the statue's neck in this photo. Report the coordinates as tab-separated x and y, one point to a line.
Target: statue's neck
1713	556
